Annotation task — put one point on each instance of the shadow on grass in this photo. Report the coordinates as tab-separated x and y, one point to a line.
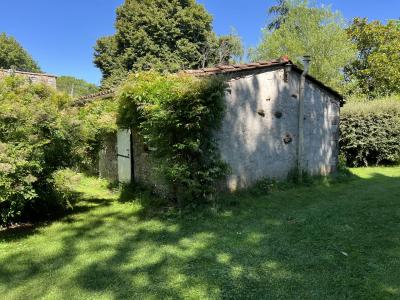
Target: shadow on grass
327	241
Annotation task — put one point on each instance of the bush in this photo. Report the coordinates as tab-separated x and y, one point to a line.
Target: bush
176	116
38	137
370	132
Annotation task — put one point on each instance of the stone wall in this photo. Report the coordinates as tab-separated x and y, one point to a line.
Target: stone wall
144	166
47	79
259	135
108	162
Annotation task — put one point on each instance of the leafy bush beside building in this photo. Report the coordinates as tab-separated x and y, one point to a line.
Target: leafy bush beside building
38	136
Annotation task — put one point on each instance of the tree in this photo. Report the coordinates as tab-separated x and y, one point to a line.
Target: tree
229	49
222	50
376	69
315	31
75	87
278	13
12	55
164	35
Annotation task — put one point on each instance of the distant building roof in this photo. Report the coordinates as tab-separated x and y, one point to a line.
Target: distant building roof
81	101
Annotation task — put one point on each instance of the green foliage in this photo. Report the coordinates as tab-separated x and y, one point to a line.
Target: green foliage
12	55
97	119
315	31
376	71
37	139
160	35
279	13
370	132
75	87
176	115
224	49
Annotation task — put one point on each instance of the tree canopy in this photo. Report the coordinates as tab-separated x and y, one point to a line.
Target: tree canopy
278	14
316	31
375	71
75	87
162	35
13	55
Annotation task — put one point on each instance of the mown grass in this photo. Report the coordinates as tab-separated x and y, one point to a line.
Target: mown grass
324	241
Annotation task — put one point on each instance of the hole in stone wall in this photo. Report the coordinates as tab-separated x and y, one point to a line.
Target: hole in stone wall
278	114
287	139
261	112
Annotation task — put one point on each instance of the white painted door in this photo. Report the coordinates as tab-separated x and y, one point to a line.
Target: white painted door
124	155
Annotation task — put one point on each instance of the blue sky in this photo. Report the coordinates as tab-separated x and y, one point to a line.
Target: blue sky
60	34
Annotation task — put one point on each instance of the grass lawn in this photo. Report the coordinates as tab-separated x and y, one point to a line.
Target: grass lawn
320	242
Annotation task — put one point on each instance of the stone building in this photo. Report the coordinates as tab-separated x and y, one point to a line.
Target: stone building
272	127
47	79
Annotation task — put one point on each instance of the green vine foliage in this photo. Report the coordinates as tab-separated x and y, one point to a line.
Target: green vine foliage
177	115
370	132
97	120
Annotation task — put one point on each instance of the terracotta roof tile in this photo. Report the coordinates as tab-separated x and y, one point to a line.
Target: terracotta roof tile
81	101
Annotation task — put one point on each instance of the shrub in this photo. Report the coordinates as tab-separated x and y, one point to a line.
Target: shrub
370	132
38	137
176	116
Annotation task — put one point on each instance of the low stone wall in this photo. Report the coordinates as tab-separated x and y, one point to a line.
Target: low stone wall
143	166
47	79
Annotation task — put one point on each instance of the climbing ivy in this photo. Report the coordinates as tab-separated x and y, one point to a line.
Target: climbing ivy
177	115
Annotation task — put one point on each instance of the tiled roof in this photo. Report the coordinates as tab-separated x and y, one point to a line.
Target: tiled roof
229	69
225	69
81	101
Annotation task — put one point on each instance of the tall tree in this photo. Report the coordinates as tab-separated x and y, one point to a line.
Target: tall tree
75	87
376	70
278	14
222	50
316	31
13	55
165	35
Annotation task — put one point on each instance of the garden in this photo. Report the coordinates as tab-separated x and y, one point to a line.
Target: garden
66	233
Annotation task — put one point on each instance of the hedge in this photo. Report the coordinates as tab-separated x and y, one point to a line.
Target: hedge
370	132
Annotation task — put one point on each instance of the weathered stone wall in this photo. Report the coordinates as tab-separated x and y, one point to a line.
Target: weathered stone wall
259	135
108	160
50	80
143	169
321	131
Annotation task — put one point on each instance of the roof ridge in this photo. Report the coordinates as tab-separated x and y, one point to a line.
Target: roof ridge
229	68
